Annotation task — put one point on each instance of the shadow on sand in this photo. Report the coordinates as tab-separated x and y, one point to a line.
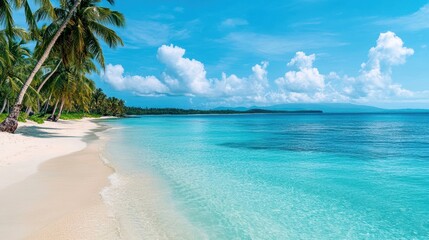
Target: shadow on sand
38	131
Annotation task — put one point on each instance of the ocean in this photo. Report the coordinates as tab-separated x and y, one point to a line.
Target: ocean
270	176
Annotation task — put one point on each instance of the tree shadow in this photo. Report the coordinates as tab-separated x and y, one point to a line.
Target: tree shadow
38	132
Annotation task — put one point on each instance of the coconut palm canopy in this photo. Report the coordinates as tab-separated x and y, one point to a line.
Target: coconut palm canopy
81	37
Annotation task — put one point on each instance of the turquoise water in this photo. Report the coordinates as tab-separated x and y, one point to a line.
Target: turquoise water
327	176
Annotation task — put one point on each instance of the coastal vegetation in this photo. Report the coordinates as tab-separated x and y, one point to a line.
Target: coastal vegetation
45	67
99	105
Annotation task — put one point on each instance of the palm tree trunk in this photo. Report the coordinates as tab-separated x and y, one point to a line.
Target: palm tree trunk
48	77
4	106
61	110
41	86
45	109
52	117
28	110
11	123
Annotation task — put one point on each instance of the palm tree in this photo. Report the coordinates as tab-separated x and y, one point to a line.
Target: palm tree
98	100
79	38
96	16
50	69
77	91
70	86
11	32
81	97
13	65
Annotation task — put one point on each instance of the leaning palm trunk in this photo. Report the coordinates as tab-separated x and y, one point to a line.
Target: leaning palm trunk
11	122
27	112
52	117
48	77
61	110
4	106
45	108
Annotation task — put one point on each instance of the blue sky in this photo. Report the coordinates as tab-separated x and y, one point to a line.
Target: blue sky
204	54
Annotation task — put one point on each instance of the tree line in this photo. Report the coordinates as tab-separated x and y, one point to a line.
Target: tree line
44	67
99	105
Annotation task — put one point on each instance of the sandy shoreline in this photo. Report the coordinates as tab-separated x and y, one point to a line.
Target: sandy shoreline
51	176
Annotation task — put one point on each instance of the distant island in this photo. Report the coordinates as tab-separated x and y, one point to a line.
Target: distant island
177	111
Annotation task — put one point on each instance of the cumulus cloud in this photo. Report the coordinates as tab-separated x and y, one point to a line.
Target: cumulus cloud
259	82
373	83
147	86
191	71
306	80
252	88
389	50
230	85
375	79
188	77
185	76
302	82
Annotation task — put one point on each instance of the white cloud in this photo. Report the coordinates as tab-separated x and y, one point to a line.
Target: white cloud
186	76
147	86
191	71
305	83
390	50
259	82
302	61
306	80
333	76
373	83
231	85
375	80
260	71
234	22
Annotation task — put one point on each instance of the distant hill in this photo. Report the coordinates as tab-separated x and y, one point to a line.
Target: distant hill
326	108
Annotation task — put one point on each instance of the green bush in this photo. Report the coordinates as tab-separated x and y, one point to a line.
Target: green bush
37	118
41	118
22	117
76	116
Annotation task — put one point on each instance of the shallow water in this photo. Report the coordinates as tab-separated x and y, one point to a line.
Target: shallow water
322	176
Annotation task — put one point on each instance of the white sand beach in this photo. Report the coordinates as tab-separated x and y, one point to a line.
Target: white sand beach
50	183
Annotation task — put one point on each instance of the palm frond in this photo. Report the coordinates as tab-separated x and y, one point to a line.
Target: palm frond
6	18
